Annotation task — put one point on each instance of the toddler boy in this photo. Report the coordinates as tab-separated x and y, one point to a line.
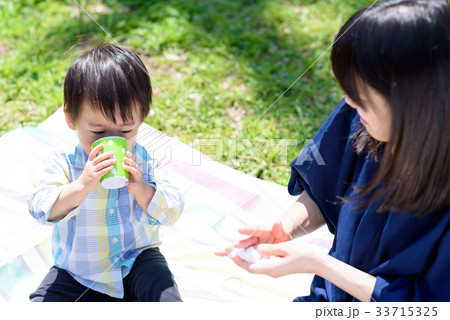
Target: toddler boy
105	242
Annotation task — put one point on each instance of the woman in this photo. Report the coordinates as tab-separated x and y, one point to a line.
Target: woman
384	189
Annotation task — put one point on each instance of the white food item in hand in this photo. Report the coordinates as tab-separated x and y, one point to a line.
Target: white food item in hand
249	254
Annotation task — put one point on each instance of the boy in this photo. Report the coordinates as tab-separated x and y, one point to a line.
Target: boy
105	242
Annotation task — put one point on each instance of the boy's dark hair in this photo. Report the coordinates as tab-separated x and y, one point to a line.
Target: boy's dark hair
401	48
109	78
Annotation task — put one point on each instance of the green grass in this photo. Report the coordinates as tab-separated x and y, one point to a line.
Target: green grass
216	67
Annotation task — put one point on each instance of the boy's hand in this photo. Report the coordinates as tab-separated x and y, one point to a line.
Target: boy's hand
96	167
142	191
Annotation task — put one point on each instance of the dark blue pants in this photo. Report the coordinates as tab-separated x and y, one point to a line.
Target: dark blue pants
149	280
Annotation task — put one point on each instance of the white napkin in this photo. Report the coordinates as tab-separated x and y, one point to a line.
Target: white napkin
249	254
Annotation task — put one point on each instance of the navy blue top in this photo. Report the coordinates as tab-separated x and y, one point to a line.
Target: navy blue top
409	256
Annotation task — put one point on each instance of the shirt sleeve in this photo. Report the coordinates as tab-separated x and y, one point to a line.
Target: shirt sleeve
427	278
167	203
325	166
55	176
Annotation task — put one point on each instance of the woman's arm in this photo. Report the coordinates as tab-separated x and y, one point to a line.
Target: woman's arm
302	217
297	257
355	282
288	257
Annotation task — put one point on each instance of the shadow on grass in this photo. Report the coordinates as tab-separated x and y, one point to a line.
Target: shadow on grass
243	31
262	46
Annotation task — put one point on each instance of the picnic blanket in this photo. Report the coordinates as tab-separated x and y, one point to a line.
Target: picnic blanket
218	200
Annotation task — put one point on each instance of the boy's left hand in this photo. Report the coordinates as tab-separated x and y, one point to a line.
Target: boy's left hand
142	191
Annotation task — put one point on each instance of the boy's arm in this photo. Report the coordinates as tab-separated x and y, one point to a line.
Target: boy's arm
53	180
70	197
56	196
155	194
167	203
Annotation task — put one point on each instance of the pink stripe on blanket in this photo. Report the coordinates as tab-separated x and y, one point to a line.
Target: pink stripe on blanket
246	200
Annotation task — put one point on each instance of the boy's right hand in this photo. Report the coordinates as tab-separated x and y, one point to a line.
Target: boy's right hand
96	167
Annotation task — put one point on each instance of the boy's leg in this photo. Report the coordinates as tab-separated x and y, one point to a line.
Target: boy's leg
150	279
59	286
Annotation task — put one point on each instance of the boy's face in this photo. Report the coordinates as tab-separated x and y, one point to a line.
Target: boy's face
92	125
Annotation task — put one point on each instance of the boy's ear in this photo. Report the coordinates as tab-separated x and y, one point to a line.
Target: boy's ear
70	121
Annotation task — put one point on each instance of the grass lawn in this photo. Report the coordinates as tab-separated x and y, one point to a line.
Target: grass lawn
218	68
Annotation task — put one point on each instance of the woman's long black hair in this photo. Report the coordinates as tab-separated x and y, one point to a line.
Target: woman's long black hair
401	48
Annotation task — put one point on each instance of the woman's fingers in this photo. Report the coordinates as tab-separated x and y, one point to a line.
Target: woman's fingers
247	242
241	263
256	232
269	264
270	250
260	267
224	252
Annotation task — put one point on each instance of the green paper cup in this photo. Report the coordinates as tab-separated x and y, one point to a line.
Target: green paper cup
118	176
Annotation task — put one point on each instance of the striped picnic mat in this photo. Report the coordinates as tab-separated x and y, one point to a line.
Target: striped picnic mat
218	198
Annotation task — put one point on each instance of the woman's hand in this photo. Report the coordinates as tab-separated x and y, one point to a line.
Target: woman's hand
291	257
297	257
282	259
263	234
302	217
